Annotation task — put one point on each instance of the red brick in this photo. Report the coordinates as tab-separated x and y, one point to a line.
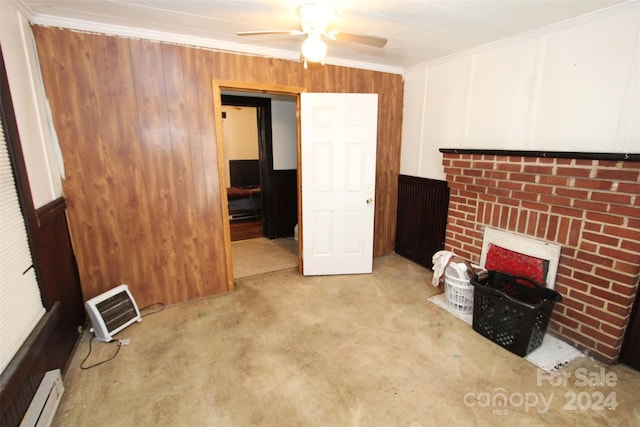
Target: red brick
618	174
454	186
508	201
593	226
546	160
462	164
612	319
522	177
628	290
571	192
606	354
592	184
625	233
498	192
508	167
583	318
588	205
634	222
475	189
483	165
563	230
555	200
555	181
633	256
523	216
600	217
600	238
610	296
473	173
620	199
500	176
538	169
532	223
504	216
450	169
540	207
612	330
629	187
597	335
565	321
625	267
541	228
539	189
592	279
609	163
463	179
594	259
521	195
565	211
588	247
626	210
574	304
552	228
579	337
614	276
588	299
622	311
575	232
627	164
573	172
586	162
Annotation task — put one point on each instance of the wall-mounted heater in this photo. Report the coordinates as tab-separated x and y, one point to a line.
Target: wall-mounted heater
111	312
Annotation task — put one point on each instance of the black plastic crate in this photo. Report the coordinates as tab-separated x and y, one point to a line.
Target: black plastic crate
512	311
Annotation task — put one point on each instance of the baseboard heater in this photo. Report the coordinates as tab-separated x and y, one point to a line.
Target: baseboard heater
45	402
111	312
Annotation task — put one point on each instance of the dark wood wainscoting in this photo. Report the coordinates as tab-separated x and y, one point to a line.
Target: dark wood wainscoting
422	218
58	275
282	204
630	353
21	378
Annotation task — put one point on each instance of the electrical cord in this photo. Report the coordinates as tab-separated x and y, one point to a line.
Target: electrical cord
153	312
119	342
102	362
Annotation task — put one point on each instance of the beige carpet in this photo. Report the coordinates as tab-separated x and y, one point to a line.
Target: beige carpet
361	350
258	256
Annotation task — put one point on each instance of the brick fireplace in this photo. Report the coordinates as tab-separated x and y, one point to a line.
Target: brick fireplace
585	202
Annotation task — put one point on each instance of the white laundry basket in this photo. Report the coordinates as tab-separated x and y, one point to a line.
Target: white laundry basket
458	289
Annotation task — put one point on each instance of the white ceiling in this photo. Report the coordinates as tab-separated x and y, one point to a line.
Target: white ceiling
417	30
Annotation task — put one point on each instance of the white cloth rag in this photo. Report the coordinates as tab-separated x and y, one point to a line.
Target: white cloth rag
440	261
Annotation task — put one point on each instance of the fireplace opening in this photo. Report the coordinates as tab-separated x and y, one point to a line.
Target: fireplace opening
520	255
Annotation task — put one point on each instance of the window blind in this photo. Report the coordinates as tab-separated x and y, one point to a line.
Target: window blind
20	302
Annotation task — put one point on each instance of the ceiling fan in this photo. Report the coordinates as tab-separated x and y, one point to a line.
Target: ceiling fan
315	20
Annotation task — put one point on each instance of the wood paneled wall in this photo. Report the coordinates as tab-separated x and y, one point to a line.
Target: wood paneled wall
135	124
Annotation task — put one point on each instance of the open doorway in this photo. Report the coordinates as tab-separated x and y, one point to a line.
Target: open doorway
259	136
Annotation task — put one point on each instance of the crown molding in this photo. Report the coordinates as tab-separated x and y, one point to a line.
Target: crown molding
201	42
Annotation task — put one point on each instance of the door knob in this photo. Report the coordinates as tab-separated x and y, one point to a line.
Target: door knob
369	200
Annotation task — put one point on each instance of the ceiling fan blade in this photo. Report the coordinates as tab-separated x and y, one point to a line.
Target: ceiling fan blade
357	38
269	32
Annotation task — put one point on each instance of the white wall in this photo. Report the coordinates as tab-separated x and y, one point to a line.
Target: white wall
41	152
284	128
573	87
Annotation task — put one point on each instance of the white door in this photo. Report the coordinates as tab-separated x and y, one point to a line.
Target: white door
338	149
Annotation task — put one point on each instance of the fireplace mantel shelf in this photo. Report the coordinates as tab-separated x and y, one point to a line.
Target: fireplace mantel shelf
632	157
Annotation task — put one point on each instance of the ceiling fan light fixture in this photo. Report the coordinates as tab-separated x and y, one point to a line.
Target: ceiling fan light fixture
314	48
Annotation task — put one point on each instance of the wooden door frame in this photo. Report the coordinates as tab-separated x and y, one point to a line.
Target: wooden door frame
218	87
